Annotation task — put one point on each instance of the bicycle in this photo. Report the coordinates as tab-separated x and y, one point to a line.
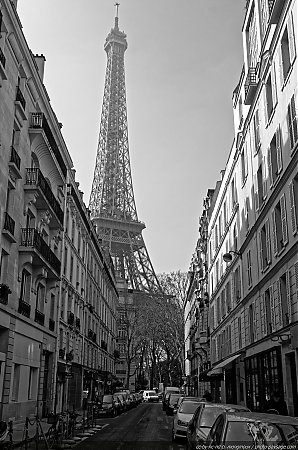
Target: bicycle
56	433
39	433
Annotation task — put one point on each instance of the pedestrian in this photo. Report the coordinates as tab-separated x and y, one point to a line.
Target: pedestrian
207	396
276	404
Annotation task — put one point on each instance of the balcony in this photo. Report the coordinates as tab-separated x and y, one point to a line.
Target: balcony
39	124
15	163
24	308
2	65
20	104
35	181
51	324
250	85
275	9
33	243
8	228
39	317
70	318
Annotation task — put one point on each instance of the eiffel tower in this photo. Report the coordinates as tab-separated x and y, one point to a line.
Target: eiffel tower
112	202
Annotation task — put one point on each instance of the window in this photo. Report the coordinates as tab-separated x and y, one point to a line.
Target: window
25	286
40	298
3	266
249	275
71	269
274	158
225	215
235	238
233	193
265	311
293	186
33	383
287	50
265	245
52	307
260	186
264	17
270	96
284	299
252	41
239	333
280	227
240	112
292	122
228	296
256	132
251	323
246	213
244	163
223	303
237	284
15	383
65	261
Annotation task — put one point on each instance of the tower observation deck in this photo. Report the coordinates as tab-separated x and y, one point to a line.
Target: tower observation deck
112	203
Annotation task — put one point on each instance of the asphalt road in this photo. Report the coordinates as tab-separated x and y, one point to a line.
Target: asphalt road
146	427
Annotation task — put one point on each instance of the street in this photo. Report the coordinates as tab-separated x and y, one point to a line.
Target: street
145	427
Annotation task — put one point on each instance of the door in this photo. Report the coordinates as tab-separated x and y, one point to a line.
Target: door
292	379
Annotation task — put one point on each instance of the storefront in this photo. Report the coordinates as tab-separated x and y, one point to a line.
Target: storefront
263	374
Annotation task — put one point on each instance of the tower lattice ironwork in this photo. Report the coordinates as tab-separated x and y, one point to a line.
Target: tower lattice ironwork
112	202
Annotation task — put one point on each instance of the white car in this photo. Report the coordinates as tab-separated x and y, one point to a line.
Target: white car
150	396
183	415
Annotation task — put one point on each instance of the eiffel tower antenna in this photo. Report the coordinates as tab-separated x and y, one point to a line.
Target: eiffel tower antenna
112	202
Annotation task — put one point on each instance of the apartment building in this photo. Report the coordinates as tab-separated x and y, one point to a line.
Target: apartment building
253	246
57	287
196	309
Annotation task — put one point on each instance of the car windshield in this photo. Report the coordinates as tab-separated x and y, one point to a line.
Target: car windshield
239	432
188	407
107	399
174	399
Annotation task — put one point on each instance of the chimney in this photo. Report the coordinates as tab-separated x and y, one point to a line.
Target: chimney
40	60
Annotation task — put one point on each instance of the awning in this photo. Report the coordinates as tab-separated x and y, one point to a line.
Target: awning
216	370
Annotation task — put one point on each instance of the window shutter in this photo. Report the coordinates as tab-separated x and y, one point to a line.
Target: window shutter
269	162
278	313
246	326
261	251
257	319
265	105
272	307
289	296
284	224
256	192
278	150
293	121
268	241
273	82
281	69
292	48
293	207
274	240
264	176
263	318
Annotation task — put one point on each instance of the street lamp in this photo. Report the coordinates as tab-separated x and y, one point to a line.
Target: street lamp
228	257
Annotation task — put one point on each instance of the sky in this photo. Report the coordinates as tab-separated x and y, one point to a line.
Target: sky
183	61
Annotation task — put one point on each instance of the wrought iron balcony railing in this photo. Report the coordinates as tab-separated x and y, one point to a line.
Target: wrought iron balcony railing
9	224
2	58
20	98
38	121
34	177
24	308
30	237
39	317
250	85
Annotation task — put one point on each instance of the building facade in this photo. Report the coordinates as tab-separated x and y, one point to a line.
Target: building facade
58	296
253	247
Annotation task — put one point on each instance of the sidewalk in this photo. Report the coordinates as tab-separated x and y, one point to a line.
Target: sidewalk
19	433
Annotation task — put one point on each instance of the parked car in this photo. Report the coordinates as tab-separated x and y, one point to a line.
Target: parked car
167	391
181	418
203	419
183	398
172	403
125	397
150	396
122	402
108	406
254	430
